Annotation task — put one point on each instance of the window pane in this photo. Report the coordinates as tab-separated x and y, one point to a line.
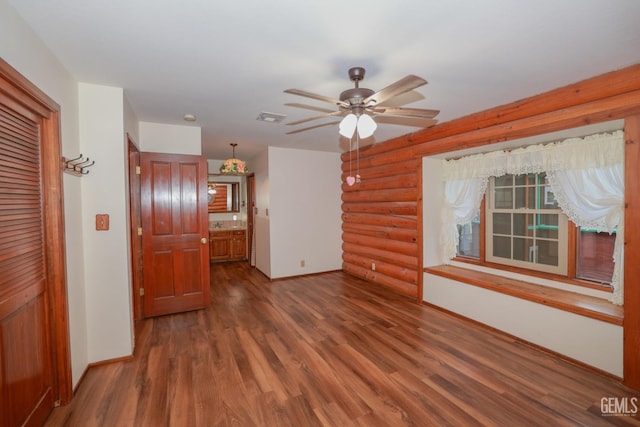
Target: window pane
469	240
528	179
549	201
525	197
547	226
523	249
502	247
595	255
547	252
502	223
505	180
523	224
503	198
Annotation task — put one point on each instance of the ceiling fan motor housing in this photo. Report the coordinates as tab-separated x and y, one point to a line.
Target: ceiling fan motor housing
356	74
356	95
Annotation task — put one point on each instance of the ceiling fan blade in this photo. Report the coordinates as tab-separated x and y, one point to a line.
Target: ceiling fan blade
402	111
401	86
316	96
322	116
312	127
406	121
309	107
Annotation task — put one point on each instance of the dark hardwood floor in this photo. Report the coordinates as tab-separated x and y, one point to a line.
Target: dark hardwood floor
330	350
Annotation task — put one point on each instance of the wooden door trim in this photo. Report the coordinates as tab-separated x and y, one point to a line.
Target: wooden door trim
251	207
135	241
16	86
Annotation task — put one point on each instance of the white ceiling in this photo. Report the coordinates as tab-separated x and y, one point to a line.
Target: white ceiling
226	62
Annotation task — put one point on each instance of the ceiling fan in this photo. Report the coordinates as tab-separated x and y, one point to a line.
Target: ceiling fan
360	104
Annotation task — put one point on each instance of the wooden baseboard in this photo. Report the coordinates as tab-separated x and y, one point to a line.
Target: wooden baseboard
100	363
301	275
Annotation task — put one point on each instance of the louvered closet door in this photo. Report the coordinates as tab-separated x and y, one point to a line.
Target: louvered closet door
26	394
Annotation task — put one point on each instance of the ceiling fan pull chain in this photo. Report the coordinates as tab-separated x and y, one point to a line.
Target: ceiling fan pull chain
350	179
350	150
357	158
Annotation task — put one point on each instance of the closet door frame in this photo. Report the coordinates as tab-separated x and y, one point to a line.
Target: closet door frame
27	95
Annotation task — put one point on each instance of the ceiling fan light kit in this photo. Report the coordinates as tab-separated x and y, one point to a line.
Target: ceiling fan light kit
363	123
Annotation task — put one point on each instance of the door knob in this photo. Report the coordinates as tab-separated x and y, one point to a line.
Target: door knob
204	240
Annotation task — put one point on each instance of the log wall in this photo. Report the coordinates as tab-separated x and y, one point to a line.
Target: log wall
382	215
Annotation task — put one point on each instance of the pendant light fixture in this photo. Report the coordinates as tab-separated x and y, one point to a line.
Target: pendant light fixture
233	166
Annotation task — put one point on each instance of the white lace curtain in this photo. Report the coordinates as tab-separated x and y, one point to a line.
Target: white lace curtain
586	176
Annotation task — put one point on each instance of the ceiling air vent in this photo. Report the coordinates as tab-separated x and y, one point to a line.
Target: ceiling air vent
271	117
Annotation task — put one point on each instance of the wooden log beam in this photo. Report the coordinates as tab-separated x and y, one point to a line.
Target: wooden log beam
383	208
400	180
586	91
381	220
407	261
397	246
375	167
394	194
402	234
613	108
391	270
398	285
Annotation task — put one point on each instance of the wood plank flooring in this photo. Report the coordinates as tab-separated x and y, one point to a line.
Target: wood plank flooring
330	350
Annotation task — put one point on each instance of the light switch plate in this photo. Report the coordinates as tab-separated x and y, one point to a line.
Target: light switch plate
102	222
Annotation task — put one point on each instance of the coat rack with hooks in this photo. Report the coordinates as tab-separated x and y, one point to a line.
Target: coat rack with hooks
77	166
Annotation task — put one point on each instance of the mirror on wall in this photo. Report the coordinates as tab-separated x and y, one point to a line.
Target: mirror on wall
223	196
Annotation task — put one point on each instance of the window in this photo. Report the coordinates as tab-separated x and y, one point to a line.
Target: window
525	228
520	225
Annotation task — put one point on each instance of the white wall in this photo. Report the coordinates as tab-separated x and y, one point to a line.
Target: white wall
131	122
305	212
104	191
24	51
431	209
174	139
590	341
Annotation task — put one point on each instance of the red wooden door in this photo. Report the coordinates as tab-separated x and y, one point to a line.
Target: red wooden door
175	233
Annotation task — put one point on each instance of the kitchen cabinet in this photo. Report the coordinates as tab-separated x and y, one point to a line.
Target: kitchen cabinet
227	245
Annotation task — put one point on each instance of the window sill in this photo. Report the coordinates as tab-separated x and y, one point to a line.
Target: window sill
584	305
585	283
